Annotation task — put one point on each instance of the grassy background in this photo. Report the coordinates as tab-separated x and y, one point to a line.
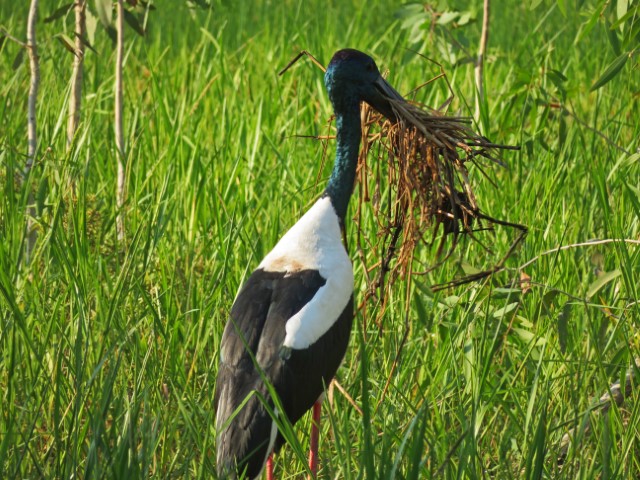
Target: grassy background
108	352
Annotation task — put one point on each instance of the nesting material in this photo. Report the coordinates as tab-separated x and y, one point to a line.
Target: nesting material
427	181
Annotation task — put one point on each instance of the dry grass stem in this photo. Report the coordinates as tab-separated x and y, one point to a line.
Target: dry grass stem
616	394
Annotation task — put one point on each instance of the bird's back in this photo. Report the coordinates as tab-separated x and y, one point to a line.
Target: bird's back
252	345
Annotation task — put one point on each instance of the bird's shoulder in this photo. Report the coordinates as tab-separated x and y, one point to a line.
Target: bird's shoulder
313	243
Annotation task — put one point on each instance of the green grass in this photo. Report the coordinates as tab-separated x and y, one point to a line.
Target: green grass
109	352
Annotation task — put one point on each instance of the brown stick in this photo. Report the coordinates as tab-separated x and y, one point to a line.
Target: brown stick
576	245
34	64
298	57
523	231
347	396
75	101
484	38
120	148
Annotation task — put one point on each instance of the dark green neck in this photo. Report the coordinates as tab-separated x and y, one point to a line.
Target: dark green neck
343	175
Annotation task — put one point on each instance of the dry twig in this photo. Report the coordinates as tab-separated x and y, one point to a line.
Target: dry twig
120	149
34	63
479	67
75	101
616	394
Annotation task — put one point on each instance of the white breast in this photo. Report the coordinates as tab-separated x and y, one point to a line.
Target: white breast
314	243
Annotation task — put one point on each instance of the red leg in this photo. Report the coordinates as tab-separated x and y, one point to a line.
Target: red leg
313	451
270	467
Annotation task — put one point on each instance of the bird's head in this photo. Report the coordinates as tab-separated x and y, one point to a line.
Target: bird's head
353	77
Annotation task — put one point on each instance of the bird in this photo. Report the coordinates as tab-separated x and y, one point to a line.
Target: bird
289	325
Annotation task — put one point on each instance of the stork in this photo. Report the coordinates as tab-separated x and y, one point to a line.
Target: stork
290	323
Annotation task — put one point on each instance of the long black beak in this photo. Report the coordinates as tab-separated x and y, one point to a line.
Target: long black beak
380	96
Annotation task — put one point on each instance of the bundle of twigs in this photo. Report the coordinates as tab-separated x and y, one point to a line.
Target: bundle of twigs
426	153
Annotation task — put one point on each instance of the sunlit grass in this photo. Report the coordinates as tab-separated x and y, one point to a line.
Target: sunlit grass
108	351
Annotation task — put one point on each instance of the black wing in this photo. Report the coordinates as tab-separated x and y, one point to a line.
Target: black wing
254	334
